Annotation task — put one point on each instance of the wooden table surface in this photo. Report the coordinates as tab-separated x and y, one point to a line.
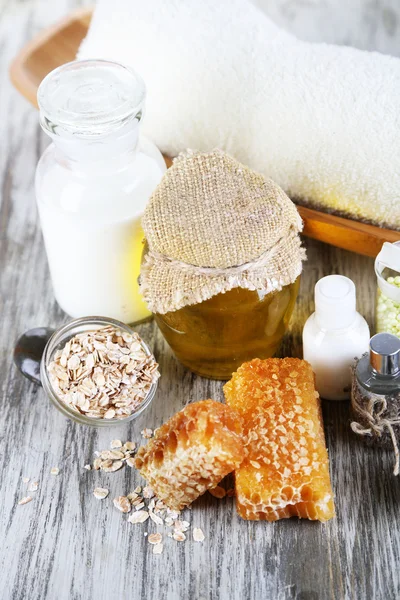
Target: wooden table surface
65	544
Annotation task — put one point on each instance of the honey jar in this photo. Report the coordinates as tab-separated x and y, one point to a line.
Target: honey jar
222	262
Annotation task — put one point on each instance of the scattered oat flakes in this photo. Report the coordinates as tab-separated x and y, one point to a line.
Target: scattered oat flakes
158	548
116	444
97	463
147	433
138	489
33	486
218	492
122	503
87	467
179	536
198	535
25	500
100	493
138	517
155	538
138	506
130	462
54	470
25	479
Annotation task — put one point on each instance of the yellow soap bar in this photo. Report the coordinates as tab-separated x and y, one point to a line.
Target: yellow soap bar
286	470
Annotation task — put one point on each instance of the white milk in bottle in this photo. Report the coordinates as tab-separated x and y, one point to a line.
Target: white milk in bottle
92	185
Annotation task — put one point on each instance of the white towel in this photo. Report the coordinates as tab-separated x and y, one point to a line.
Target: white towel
320	120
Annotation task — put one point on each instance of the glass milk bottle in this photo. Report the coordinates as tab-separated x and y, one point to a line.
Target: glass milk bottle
92	185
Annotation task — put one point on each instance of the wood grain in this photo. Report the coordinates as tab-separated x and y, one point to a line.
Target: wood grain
65	544
59	44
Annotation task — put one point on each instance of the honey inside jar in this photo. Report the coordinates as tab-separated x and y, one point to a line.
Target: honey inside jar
215	337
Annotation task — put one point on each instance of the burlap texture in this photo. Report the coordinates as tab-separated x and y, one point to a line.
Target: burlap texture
212	225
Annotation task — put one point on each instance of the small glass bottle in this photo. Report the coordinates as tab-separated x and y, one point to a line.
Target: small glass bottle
387	269
334	335
375	395
92	185
379	372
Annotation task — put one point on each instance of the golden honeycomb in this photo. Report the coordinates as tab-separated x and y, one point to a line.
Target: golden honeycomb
192	452
286	470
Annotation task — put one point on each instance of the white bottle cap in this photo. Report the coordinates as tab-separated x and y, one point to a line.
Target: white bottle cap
335	302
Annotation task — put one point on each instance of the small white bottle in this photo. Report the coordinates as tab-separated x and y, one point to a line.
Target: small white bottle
334	335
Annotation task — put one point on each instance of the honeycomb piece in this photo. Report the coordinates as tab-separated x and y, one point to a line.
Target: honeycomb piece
286	470
192	452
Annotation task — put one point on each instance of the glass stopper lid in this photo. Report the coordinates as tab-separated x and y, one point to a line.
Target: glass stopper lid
90	98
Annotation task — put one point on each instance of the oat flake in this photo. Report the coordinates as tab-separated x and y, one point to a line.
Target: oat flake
198	535
115	466
122	503
158	548
157	520
33	486
147	433
138	517
54	470
100	493
155	538
148	492
129	446
25	500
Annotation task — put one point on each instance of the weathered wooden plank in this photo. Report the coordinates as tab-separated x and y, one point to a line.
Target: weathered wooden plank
66	544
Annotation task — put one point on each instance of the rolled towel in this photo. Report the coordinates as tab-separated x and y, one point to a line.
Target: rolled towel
320	120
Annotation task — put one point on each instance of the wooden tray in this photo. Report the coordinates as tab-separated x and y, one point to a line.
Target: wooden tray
59	44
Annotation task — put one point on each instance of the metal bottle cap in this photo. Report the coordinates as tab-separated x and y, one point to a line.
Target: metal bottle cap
384	354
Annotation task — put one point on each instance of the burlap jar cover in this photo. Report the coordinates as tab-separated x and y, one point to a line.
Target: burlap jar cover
213	225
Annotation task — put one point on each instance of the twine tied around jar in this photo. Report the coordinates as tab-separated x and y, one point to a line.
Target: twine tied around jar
258	263
376	423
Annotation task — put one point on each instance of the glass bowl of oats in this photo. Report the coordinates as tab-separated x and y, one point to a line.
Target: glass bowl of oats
98	371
